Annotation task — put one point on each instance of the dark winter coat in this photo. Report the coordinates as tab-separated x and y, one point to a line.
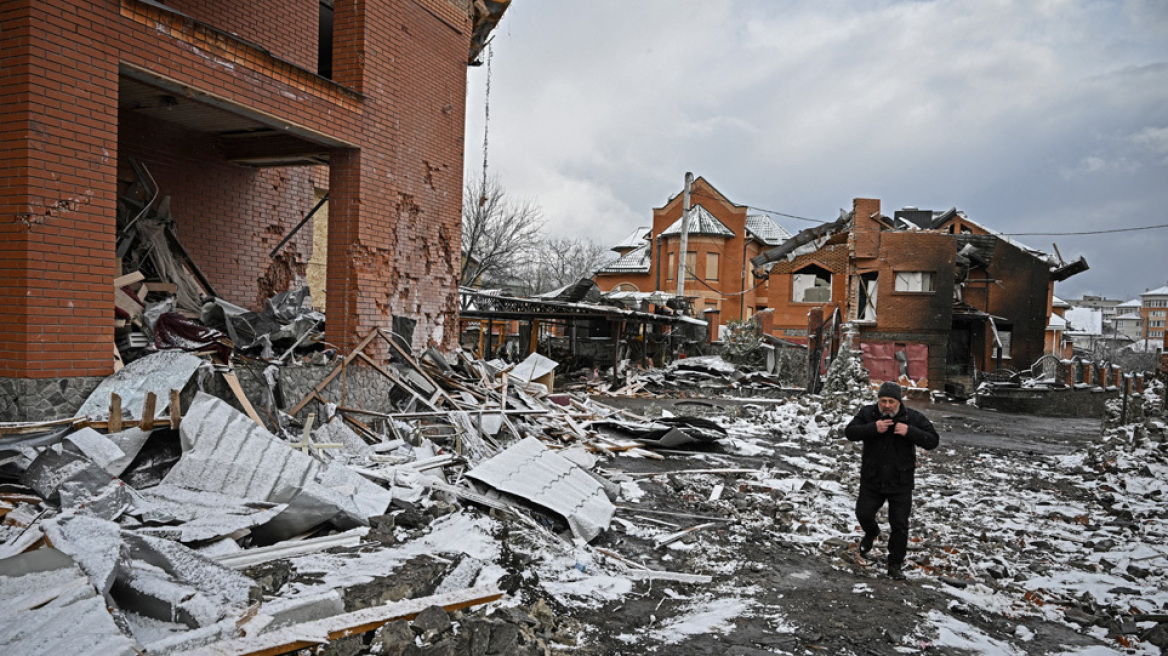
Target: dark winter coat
889	461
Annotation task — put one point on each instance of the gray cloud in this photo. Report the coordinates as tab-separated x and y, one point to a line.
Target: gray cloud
1044	116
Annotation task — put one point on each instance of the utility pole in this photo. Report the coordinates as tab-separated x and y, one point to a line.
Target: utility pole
683	248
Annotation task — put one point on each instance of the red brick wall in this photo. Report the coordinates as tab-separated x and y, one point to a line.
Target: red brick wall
397	167
228	217
286	28
58	127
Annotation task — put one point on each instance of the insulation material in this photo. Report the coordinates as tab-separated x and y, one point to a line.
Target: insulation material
531	471
888	361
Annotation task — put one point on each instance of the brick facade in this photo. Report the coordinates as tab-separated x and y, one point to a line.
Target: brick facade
723	290
390	122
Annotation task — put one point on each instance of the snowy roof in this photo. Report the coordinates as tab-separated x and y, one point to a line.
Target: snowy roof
701	222
1134	303
766	230
635	239
1159	291
1086	320
1056	323
1058	302
1129	316
635	261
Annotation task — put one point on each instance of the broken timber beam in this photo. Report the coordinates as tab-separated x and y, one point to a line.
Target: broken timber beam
315	633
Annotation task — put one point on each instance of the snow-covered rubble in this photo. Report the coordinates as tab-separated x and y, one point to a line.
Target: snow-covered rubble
744	541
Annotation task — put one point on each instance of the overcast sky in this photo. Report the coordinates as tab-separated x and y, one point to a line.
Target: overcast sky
1030	116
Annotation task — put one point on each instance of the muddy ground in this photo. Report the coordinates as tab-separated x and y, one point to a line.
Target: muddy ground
802	599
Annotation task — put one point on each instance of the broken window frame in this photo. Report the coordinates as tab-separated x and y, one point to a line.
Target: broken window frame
800	284
1003	341
915	282
867	288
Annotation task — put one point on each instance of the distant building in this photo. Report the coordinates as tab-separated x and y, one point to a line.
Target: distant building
1128	321
1108	306
1154	312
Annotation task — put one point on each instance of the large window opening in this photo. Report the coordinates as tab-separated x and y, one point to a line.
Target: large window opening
915	281
811	284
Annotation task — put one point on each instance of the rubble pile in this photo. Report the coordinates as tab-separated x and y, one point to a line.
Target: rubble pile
144	508
478	512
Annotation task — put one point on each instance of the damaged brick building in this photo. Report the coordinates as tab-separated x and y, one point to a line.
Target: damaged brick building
243	115
937	296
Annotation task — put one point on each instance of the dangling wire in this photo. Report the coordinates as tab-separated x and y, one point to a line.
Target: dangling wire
486	126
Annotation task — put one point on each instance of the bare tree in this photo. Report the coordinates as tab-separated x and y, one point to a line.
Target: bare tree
497	231
558	261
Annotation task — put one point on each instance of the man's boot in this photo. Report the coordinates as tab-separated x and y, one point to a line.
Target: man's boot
895	572
866	544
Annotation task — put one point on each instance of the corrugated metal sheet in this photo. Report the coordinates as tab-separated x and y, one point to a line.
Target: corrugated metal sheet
533	472
159	373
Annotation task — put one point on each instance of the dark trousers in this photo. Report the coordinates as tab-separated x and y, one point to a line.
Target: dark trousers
899	508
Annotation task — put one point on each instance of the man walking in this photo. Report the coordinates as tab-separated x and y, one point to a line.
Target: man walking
890	432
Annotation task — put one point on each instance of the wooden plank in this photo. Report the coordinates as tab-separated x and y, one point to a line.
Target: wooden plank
658	575
312	634
147	422
237	389
175	408
115	413
129	279
397	381
333	374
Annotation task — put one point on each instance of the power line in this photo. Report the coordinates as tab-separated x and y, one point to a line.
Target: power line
1004	234
1089	232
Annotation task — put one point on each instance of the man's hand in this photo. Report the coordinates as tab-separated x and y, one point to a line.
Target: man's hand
901	429
882	425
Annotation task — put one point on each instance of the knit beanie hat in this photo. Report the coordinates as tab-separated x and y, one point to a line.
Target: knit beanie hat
889	390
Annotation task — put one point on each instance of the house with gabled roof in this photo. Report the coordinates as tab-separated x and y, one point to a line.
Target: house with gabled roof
721	239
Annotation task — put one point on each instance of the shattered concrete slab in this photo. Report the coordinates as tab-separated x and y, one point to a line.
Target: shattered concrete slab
531	471
158	372
48	607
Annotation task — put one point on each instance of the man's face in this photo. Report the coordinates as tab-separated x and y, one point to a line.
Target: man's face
888	405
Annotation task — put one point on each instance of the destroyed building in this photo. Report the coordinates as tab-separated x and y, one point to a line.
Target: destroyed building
225	126
937	296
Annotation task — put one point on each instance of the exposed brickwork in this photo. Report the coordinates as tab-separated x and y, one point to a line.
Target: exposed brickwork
395	114
289	30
